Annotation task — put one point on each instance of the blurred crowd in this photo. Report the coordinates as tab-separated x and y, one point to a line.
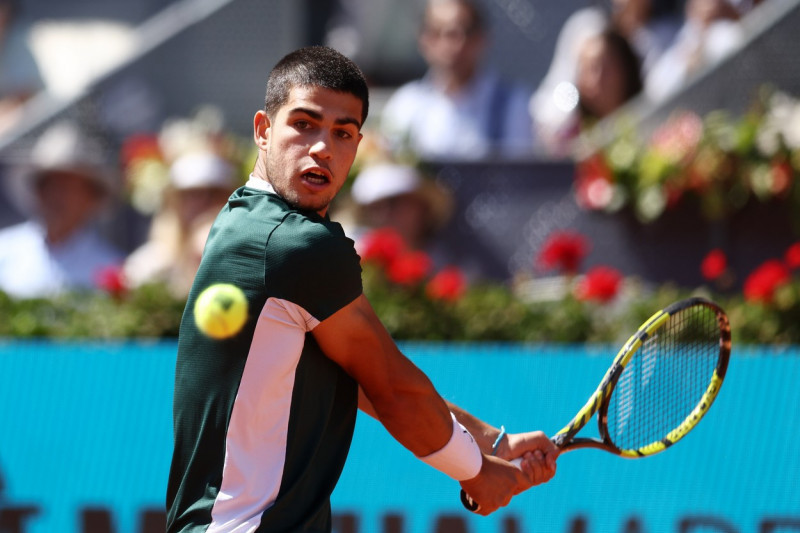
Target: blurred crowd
606	57
606	54
177	178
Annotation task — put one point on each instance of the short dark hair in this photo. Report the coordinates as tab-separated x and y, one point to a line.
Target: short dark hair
315	66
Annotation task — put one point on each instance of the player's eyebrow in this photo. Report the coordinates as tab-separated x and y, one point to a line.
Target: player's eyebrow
316	115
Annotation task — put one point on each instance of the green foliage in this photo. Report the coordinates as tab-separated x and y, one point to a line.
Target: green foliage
485	312
495	312
147	312
715	163
775	322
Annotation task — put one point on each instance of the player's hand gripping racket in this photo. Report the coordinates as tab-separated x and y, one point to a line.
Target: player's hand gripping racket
659	386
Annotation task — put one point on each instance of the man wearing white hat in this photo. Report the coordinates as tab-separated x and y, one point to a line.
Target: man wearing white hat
399	197
59	248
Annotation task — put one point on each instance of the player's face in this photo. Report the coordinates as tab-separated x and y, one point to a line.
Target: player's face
310	144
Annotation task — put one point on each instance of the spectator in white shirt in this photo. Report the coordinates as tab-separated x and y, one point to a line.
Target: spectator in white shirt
459	109
59	248
711	31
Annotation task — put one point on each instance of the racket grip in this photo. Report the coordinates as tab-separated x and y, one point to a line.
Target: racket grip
473	506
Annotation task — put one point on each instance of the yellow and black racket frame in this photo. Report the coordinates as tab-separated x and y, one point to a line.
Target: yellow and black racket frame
599	401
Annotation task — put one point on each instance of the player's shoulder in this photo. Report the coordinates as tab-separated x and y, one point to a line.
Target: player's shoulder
291	235
310	235
311	262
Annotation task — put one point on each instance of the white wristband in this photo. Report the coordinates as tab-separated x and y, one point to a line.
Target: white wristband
460	458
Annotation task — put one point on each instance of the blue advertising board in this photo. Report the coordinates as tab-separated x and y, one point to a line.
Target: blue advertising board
85	443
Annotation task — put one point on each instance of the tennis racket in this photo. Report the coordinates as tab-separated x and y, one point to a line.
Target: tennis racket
659	386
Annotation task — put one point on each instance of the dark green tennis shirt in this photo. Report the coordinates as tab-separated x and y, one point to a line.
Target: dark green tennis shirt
263	420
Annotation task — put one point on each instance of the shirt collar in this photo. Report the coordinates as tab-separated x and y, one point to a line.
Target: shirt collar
257	183
263	185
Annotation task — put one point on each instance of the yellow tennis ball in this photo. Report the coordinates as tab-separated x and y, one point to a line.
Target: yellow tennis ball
221	310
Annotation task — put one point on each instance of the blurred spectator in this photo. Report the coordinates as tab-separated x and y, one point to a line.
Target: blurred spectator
607	76
399	196
401	199
20	78
649	25
59	248
553	104
459	109
745	6
199	186
710	32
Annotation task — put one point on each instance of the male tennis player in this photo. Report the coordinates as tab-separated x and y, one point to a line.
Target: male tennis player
263	420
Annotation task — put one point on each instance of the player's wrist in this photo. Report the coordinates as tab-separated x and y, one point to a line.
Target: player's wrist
499	440
461	458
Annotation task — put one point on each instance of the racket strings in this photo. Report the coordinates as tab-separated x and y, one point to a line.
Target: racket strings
665	379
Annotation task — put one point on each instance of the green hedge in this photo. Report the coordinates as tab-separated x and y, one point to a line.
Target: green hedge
486	312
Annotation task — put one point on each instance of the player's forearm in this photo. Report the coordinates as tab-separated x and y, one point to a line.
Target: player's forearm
485	434
401	402
413	413
395	391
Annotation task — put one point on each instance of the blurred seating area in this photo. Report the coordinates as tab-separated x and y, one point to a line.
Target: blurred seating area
129	71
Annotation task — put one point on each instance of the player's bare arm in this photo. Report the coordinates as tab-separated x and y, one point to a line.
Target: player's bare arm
538	452
403	398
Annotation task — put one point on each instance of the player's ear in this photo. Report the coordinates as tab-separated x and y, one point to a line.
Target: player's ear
261	129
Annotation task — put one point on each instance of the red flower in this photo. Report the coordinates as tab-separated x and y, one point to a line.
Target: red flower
781	176
601	284
112	280
594	192
410	268
382	246
449	284
714	264
674	194
564	250
141	146
761	284
593	188
792	256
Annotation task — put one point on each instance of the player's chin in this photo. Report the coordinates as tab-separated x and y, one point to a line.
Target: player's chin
314	203
319	199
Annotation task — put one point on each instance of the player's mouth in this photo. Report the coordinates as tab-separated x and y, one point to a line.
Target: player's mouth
316	177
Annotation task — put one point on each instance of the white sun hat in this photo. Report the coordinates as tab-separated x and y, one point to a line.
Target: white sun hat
63	147
386	180
66	147
201	169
